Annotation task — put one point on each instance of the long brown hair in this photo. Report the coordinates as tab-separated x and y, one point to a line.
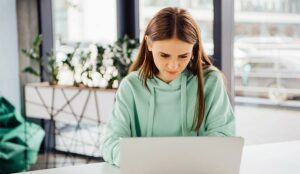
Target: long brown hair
166	24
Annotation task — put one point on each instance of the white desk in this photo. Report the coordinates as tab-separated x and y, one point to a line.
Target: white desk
277	158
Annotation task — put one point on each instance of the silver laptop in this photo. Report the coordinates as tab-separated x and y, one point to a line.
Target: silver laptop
181	155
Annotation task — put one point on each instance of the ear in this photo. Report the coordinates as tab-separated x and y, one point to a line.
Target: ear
148	42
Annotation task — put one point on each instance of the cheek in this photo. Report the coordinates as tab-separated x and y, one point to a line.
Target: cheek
158	63
184	62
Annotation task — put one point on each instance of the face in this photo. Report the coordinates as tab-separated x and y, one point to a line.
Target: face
171	57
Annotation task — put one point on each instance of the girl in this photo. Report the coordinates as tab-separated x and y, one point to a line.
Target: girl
172	88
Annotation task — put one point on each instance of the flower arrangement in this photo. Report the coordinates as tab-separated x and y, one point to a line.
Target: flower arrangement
95	66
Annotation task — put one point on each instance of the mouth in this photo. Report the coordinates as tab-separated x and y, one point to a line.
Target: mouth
172	72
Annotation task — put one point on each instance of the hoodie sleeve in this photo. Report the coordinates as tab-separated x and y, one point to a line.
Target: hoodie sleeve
118	124
218	114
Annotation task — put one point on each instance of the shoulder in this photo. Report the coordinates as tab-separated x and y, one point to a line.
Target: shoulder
131	79
214	81
131	82
210	74
213	74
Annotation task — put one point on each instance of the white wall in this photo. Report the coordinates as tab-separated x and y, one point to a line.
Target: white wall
9	56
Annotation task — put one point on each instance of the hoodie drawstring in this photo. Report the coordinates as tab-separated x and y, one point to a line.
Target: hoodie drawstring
151	113
183	105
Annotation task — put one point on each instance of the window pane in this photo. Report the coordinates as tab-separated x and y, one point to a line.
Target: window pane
201	10
85	21
267	49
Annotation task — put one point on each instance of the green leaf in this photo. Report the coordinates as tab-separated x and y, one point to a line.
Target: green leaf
100	49
31	71
24	51
37	40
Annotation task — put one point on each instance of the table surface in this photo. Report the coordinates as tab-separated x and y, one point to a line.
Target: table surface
275	158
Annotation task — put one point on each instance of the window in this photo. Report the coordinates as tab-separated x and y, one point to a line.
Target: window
267	55
267	70
84	21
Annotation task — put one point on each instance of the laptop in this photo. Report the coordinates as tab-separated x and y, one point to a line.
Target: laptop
181	155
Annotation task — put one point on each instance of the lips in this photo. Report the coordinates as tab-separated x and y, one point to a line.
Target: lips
172	72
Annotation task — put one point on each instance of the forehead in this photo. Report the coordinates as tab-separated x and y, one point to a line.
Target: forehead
172	46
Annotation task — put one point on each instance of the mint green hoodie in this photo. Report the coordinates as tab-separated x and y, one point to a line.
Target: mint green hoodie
167	110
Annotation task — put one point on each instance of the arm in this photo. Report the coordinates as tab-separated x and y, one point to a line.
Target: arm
218	112
118	124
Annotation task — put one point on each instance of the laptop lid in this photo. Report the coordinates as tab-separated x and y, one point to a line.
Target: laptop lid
178	155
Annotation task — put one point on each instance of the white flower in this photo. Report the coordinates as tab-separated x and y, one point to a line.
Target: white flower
87	64
90	83
35	55
115	73
84	78
65	77
107	54
103	83
107	76
109	70
93	63
86	81
77	75
102	69
118	54
60	64
115	84
94	51
93	48
60	56
75	61
127	61
96	76
108	62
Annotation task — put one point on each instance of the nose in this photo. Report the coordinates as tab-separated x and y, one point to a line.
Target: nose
173	65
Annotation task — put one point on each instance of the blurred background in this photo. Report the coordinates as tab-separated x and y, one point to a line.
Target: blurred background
256	43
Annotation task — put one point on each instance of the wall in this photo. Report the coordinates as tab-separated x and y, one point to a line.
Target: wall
9	56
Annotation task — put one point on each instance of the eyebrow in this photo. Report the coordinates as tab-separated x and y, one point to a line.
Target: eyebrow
178	55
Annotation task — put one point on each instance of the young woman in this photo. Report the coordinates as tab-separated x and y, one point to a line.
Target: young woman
172	90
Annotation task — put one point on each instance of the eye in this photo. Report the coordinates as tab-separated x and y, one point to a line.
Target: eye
183	56
164	55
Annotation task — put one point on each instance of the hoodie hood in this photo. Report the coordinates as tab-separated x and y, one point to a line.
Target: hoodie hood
155	84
